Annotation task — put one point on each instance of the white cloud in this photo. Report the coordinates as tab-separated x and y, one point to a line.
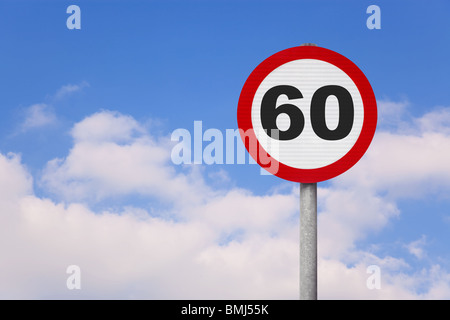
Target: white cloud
223	246
38	115
392	113
42	114
339	281
350	214
130	254
69	89
416	247
15	180
363	201
402	164
113	155
214	244
107	126
437	121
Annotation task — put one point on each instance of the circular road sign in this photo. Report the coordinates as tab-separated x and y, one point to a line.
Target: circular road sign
307	114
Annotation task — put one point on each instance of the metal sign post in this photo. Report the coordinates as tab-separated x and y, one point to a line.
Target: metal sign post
308	241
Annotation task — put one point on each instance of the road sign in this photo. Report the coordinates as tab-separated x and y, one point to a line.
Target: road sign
308	109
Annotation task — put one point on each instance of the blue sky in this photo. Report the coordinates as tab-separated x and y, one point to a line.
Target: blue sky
82	112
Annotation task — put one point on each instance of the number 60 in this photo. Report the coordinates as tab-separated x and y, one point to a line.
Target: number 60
269	112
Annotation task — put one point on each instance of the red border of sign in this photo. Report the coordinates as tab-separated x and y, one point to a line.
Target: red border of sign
308	52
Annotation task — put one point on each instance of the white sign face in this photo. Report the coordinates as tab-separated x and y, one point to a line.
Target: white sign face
311	110
308	150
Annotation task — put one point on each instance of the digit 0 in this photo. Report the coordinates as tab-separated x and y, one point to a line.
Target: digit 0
346	112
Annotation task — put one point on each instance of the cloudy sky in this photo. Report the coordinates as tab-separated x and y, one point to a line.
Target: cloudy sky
86	176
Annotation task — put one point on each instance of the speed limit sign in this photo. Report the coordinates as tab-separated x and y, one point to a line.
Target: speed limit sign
309	110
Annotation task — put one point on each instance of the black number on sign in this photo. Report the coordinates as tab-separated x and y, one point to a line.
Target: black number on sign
270	112
346	112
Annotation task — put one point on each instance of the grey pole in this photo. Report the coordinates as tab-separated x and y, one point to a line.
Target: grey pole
308	237
308	241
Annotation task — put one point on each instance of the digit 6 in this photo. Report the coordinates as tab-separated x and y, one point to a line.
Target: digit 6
269	113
